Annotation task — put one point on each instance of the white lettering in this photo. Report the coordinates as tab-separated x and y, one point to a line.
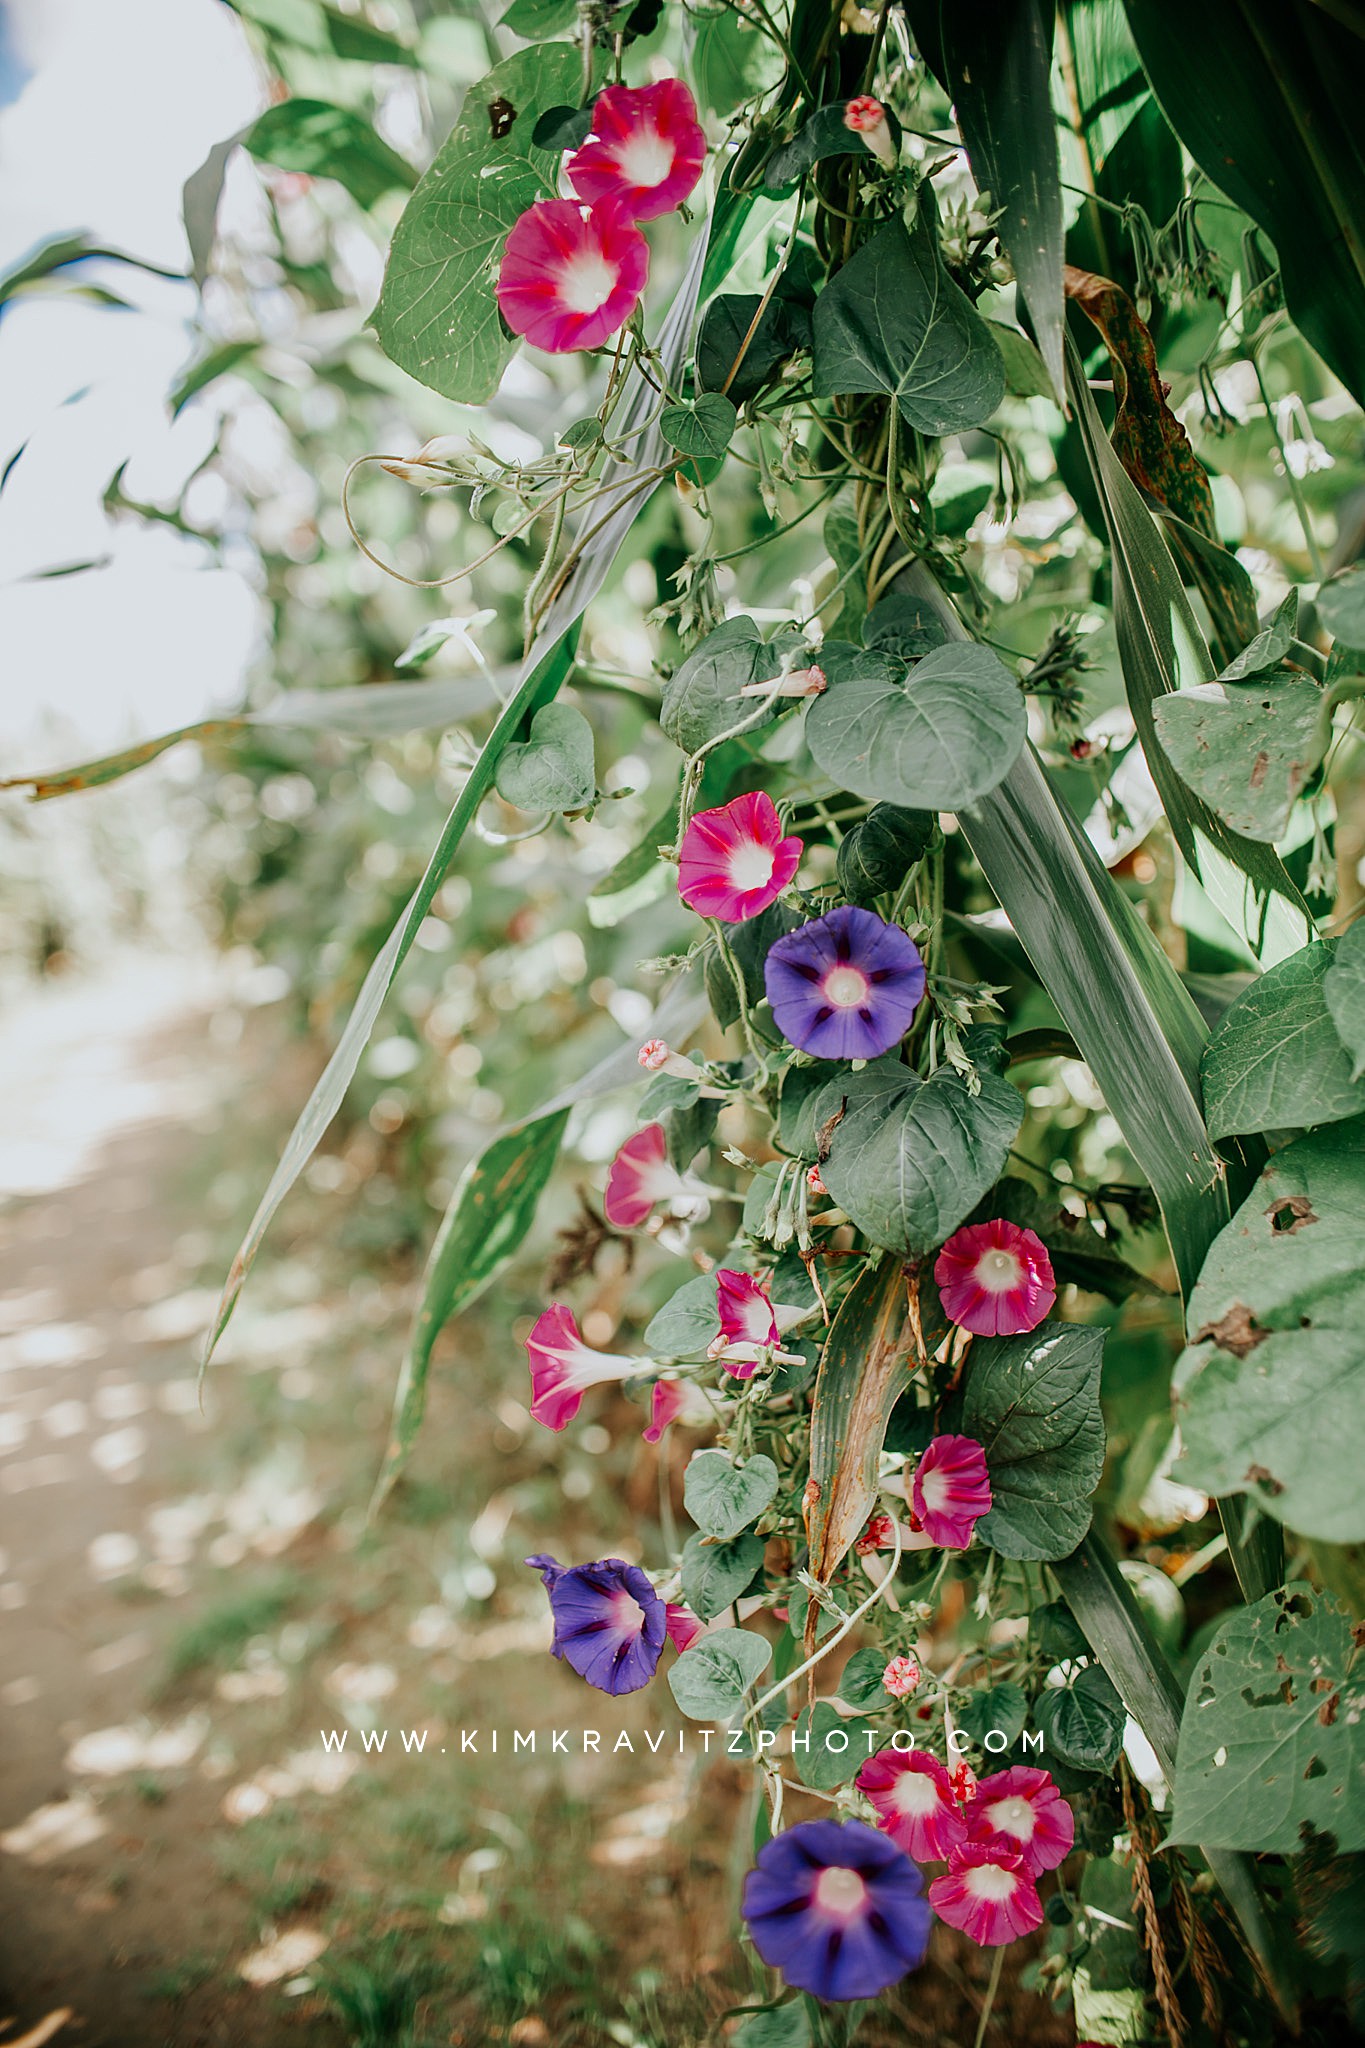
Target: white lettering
413	1741
334	1738
523	1739
374	1739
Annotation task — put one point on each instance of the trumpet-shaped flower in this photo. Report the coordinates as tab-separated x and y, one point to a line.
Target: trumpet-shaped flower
951	1490
563	1367
846	986
571	275
1025	1806
641	1176
609	1621
735	861
675	1400
645	151
750	1325
913	1797
837	1908
995	1279
987	1894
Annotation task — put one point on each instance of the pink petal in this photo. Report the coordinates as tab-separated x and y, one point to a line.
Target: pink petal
987	1895
951	1490
734	861
683	1626
645	152
563	1367
746	1313
640	1176
571	275
914	1802
995	1279
1025	1807
669	1401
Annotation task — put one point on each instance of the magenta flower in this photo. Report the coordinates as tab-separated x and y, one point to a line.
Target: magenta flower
846	986
750	1326
995	1279
1025	1806
609	1621
673	1401
837	1908
987	1894
951	1490
641	1176
563	1367
645	151
867	117
571	275
735	861
684	1627
913	1797
900	1677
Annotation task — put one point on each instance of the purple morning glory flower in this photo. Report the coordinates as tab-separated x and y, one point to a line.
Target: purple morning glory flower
838	1908
609	1621
846	986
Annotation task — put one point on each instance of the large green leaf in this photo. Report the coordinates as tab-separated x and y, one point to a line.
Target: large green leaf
490	1212
1161	649
324	141
437	316
1083	1721
715	1574
909	1159
1276	1060
1033	1404
998	55
1273	1735
1263	99
1247	749
893	321
936	740
688	1322
1271	1391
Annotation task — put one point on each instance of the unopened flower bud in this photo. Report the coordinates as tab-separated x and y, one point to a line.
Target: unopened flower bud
867	117
900	1677
814	1182
658	1057
797	682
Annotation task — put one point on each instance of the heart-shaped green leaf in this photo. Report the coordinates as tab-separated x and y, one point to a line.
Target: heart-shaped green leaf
892	321
715	1574
1277	1060
704	428
702	700
938	739
724	1499
553	770
709	1681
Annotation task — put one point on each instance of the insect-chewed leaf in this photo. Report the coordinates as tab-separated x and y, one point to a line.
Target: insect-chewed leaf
1273	1735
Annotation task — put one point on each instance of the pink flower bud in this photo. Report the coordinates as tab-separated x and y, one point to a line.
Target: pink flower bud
900	1677
867	117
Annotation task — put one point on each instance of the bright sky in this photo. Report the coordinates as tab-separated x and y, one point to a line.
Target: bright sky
111	105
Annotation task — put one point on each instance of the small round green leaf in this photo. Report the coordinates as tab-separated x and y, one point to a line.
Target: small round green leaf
553	770
709	1681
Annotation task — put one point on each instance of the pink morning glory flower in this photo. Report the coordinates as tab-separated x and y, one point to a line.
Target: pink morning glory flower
995	1279
900	1677
609	1621
988	1895
735	861
571	275
563	1367
673	1401
846	986
750	1325
951	1490
913	1797
837	1908
641	1176
1025	1806
684	1627
645	151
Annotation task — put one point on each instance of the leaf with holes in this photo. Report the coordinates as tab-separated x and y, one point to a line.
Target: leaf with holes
892	321
1271	1391
1033	1404
437	316
938	739
1276	1061
1248	749
1272	1740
